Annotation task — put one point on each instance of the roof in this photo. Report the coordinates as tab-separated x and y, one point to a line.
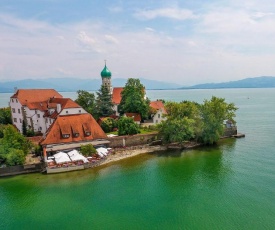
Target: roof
136	116
106	72
65	103
116	96
157	105
71	124
35	95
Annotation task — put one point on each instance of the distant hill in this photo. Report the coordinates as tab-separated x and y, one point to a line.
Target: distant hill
257	82
74	84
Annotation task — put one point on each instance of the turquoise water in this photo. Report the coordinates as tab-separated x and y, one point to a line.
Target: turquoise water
229	186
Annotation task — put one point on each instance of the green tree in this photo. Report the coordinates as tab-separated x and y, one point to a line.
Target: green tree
181	121
108	124
14	140
133	99
103	103
213	113
15	157
86	100
5	116
127	126
177	130
24	128
87	150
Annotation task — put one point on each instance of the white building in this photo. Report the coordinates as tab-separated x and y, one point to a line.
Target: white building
39	108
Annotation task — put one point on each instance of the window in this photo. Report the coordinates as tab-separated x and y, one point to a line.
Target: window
46	120
79	111
158	115
87	133
67	111
66	135
20	120
50	121
13	110
35	112
12	100
15	119
18	110
76	134
38	115
16	100
40	128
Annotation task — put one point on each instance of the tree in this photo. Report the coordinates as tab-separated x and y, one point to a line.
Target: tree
103	103
180	125
86	100
5	116
14	146
133	99
127	126
14	140
213	113
108	124
87	150
15	157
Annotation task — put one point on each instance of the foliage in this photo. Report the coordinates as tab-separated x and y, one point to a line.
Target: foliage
127	126
187	120
5	116
14	140
108	124
15	157
24	128
86	100
103	103
87	150
2	127
133	99
177	130
213	113
30	133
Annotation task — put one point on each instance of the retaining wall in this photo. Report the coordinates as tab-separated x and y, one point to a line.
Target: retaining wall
132	140
20	169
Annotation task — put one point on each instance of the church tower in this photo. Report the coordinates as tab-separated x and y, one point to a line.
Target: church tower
106	78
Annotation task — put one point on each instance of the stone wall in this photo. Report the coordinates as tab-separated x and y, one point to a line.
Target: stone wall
132	140
228	132
20	169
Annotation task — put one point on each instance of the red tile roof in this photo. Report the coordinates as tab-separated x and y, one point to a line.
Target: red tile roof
136	116
65	103
116	96
71	124
35	95
157	105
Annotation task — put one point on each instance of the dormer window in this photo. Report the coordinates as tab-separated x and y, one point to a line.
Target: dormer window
88	133
65	135
76	134
86	129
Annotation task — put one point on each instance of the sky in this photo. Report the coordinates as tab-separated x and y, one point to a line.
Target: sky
184	42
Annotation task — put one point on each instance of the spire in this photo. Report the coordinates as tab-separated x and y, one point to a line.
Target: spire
106	72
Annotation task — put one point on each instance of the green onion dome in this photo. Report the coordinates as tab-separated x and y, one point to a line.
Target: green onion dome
106	72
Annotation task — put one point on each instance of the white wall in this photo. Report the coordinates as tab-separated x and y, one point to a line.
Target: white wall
71	111
16	113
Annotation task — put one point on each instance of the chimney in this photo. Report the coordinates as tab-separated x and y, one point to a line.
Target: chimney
15	89
58	108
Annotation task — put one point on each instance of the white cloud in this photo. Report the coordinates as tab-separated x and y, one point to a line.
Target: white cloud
173	13
112	39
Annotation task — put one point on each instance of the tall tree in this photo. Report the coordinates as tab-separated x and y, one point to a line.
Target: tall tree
133	99
213	113
86	100
103	103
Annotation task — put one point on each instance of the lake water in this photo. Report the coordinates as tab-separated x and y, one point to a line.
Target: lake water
228	186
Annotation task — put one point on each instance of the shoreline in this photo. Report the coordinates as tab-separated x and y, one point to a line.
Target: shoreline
129	152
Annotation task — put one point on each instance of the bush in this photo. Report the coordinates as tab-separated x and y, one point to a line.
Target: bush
127	126
87	150
15	157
